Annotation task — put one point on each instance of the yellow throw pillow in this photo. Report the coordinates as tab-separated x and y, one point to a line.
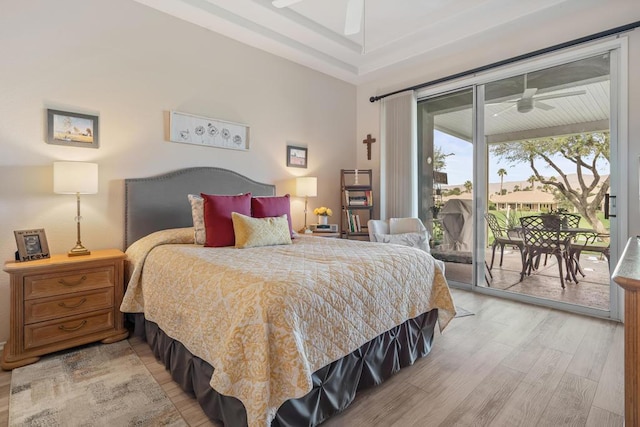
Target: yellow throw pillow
253	232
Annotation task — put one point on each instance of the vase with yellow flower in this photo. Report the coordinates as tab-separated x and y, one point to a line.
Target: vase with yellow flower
323	214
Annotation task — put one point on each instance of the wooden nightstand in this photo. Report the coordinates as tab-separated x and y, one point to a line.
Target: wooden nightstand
62	302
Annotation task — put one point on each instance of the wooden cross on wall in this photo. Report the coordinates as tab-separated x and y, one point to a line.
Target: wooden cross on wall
369	141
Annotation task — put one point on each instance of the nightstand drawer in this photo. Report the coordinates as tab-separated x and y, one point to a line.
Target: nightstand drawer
42	334
47	285
42	309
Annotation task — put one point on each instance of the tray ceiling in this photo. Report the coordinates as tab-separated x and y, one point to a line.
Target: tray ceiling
311	32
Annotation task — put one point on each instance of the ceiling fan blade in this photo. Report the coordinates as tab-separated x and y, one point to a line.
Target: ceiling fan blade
354	17
504	110
529	92
284	3
543	106
561	95
508	101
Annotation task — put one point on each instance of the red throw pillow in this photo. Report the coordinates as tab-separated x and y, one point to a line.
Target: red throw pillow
264	207
217	217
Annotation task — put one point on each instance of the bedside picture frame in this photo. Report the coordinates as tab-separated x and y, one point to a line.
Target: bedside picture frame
297	157
32	244
72	129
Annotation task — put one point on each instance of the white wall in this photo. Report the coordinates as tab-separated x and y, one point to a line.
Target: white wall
128	64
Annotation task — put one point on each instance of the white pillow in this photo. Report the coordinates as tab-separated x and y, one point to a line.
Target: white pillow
415	240
197	212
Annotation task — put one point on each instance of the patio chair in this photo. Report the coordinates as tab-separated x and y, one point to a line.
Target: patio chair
502	238
567	220
543	235
581	241
593	242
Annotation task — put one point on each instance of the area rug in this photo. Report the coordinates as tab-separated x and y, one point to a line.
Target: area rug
461	312
96	385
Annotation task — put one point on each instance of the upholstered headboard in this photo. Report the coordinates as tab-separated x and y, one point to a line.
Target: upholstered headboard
160	202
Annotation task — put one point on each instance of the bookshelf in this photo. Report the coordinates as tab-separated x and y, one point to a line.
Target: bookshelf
357	202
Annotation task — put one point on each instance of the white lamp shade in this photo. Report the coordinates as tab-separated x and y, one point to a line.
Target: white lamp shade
75	177
307	186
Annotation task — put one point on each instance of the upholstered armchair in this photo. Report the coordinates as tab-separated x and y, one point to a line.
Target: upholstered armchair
401	231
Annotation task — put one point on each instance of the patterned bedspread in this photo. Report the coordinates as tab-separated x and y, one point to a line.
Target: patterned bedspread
267	318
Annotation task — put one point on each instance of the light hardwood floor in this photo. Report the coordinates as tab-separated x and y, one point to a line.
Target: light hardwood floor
510	364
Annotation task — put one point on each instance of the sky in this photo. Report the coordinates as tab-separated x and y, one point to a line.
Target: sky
459	166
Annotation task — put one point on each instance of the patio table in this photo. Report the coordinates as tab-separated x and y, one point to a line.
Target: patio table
574	248
549	235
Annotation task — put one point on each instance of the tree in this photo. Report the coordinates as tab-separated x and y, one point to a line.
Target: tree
532	179
562	201
547	188
468	186
440	159
588	152
501	173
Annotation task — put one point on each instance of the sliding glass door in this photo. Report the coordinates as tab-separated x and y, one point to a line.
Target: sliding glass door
445	179
548	154
534	142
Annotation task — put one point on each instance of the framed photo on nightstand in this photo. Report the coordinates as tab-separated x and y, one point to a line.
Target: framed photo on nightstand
32	244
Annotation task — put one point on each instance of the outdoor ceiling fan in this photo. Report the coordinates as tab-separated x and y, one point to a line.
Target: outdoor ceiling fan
528	101
355	11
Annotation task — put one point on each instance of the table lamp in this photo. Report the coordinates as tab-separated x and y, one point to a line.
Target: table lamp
76	178
306	186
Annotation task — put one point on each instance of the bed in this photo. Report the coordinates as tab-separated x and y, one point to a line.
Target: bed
274	335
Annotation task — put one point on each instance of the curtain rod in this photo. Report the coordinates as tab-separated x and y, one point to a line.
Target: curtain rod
585	39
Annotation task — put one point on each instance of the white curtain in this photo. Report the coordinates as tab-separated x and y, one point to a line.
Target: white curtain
398	156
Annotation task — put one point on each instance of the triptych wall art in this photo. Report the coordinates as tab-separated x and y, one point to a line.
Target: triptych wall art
190	129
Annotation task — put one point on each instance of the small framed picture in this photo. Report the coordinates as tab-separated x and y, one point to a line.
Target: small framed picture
32	244
296	156
72	129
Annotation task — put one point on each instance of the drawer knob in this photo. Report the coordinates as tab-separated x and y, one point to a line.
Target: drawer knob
76	283
64	328
64	305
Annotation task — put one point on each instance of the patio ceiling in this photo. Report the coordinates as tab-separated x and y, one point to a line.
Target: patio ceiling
587	112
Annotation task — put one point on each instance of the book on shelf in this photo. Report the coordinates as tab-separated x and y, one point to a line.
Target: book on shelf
360	200
355	226
353	222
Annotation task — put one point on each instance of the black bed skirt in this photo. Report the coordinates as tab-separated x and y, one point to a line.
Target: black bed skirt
334	386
